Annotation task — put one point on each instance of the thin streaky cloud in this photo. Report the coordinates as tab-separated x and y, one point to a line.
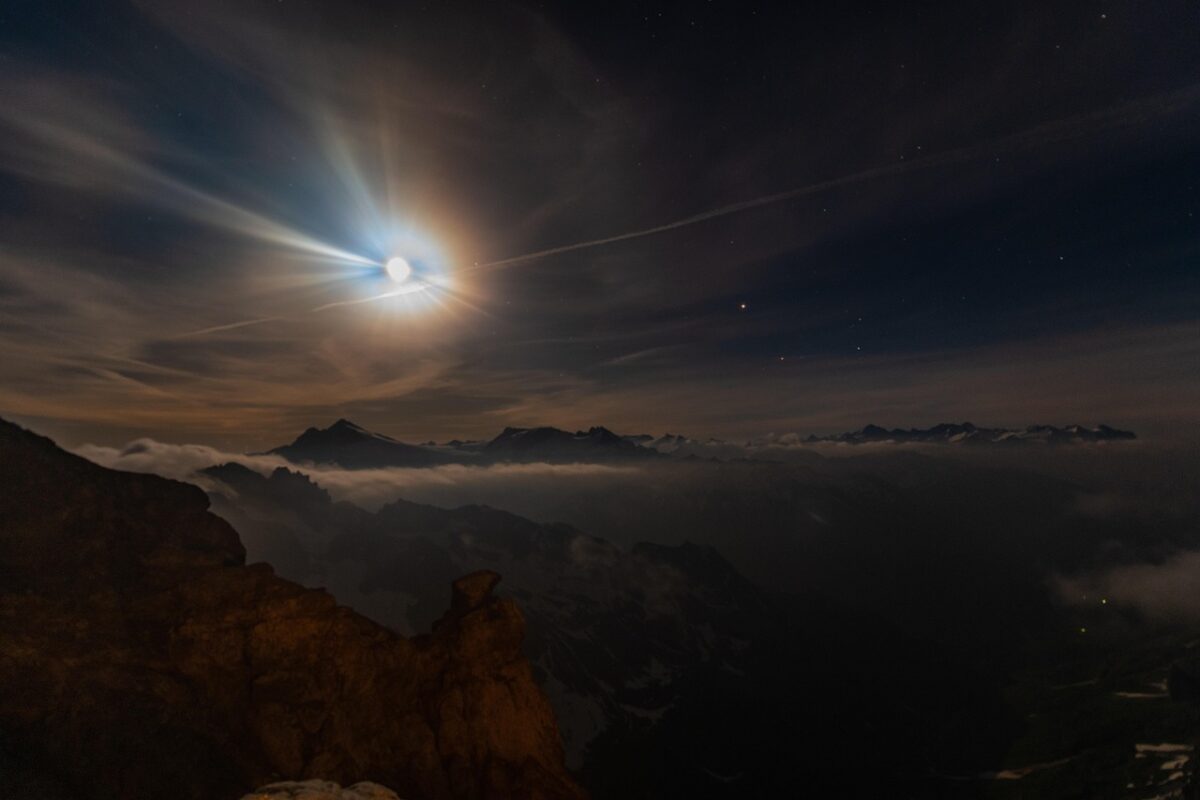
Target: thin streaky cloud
318	309
147	181
361	300
1040	135
1046	133
229	326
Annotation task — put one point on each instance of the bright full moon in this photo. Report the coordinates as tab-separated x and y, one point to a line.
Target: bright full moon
398	269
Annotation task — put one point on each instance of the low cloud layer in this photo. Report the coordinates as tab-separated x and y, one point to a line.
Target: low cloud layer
789	516
447	485
1167	592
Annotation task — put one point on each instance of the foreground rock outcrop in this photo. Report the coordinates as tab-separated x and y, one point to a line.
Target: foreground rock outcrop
321	790
140	657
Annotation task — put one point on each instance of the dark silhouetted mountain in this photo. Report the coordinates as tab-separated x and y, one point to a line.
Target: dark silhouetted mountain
662	650
140	657
554	445
651	655
966	433
354	447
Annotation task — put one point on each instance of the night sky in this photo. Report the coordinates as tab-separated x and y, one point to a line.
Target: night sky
720	218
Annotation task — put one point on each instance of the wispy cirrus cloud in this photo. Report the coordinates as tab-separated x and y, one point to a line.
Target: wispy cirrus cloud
167	240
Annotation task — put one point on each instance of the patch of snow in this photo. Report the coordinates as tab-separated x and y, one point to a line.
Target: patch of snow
651	714
655	674
1165	747
1016	773
719	777
580	718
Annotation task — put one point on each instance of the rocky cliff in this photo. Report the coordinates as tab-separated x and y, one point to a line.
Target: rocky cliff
140	657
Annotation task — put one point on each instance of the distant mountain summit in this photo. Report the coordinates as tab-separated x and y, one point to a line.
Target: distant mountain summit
966	433
354	447
554	445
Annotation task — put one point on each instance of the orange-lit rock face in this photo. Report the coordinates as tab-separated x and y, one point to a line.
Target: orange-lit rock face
321	790
139	657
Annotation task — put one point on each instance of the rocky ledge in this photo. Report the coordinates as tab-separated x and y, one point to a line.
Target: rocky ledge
321	790
140	657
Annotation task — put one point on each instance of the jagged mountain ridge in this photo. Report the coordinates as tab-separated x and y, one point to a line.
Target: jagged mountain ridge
967	433
140	657
964	433
572	587
631	644
353	447
551	444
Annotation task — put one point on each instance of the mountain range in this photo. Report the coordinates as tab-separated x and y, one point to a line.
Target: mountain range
966	433
651	654
140	657
698	627
352	446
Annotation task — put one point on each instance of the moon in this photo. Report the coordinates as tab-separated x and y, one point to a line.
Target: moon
398	269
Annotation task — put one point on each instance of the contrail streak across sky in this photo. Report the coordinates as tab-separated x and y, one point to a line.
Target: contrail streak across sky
1046	133
1127	114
